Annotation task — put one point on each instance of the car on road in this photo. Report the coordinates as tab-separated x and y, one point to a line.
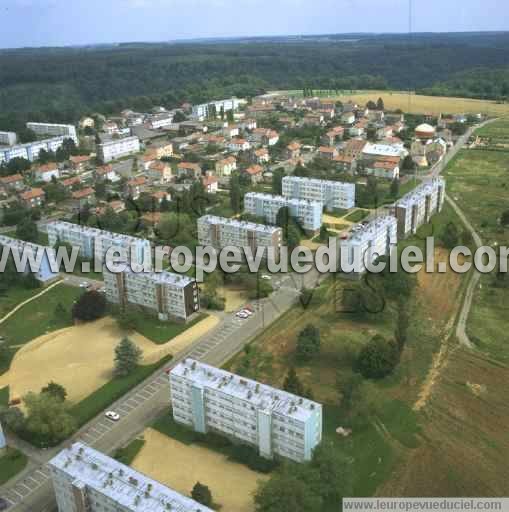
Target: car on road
242	314
84	284
112	415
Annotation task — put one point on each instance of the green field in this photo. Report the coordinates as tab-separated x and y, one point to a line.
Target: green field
498	129
37	318
11	463
14	296
357	216
128	453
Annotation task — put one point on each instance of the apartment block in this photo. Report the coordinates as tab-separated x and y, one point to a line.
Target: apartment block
205	109
86	480
220	232
113	149
171	296
366	242
207	399
8	138
93	242
308	213
54	130
30	150
334	195
418	206
26	251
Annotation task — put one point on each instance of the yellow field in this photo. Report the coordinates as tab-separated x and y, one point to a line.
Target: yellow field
80	358
417	104
180	466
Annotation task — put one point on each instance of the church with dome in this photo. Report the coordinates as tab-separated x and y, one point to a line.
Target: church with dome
427	149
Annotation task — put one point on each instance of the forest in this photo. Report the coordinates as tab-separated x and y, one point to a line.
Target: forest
61	84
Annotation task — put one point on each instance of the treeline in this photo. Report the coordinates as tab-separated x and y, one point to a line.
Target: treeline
63	84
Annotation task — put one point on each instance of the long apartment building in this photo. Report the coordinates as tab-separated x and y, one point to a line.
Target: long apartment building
418	206
203	110
8	138
30	150
206	399
93	242
365	242
85	480
24	252
334	195
171	296
54	130
118	148
308	213
220	232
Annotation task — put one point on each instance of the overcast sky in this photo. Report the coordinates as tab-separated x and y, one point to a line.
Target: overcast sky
74	22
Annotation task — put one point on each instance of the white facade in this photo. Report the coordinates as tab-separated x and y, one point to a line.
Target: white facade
202	111
86	480
94	242
111	150
220	232
276	422
55	130
332	194
30	150
308	213
171	296
417	207
8	138
383	150
44	255
366	242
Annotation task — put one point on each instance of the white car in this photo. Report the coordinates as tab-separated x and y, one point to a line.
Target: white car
84	284
242	314
266	277
247	312
112	415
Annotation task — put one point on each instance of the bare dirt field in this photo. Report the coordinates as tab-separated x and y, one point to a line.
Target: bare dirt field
180	466
235	297
81	357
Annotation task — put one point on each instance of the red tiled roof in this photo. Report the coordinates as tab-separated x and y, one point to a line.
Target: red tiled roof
80	194
11	179
32	193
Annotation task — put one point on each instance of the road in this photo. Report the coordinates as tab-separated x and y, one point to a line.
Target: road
31	490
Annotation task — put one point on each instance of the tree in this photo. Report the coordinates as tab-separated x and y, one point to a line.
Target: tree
395	187
90	306
277	180
201	493
179	116
292	236
504	219
27	230
26	135
308	343
127	357
235	194
380	104
408	165
292	384
450	235
324	233
403	322
378	358
48	420
55	390
371	105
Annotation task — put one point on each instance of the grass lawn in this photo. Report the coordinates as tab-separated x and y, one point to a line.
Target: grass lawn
357	215
160	332
37	318
128	453
15	295
4	396
11	463
103	397
498	130
42	238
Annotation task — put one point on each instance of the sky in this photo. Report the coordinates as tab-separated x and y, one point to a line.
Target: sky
78	22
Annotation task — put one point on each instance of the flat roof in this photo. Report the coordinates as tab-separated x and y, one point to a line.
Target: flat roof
419	192
283	199
363	232
316	181
213	219
260	395
121	483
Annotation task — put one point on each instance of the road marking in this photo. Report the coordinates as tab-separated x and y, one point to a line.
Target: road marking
107	426
97	434
126	409
145	394
150	388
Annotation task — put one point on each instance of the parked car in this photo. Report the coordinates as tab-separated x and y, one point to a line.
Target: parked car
4	504
112	415
242	314
266	277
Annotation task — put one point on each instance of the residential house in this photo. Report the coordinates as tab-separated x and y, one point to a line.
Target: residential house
293	151
148	158
87	122
359	128
348	118
33	197
333	136
117	205
79	162
345	163
247	124
162	149
70	183
160	195
313	119
226	166
238	145
83	197
13	182
160	172
231	131
136	186
385	168
188	170
353	148
106	172
254	173
110	127
260	156
327	152
210	184
46	172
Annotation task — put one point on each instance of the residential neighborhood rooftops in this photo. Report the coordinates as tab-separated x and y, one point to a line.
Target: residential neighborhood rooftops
32	194
80	194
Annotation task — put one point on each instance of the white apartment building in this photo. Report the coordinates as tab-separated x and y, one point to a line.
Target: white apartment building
308	213
171	296
418	206
203	110
30	150
8	138
86	480
366	242
42	257
93	242
160	120
55	130
117	148
333	195
220	232
276	422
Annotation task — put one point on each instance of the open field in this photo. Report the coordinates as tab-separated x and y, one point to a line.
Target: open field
12	462
14	296
419	104
498	130
86	350
235	296
231	483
